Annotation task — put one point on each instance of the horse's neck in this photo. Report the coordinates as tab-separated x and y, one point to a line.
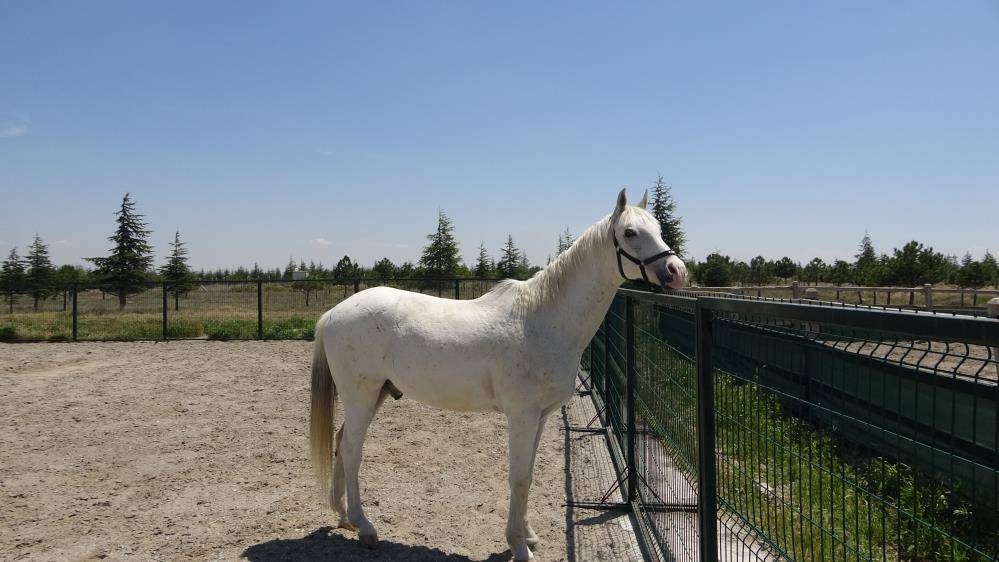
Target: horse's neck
585	292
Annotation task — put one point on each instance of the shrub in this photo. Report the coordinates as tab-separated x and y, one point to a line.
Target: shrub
294	328
230	329
8	332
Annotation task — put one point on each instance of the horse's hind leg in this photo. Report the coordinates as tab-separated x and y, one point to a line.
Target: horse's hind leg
338	488
359	409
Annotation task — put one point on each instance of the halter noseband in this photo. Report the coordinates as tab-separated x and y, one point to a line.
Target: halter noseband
640	263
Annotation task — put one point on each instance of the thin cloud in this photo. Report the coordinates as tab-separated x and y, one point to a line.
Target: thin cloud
63	243
321	242
13	130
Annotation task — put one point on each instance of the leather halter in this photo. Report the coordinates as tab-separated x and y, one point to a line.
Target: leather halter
640	263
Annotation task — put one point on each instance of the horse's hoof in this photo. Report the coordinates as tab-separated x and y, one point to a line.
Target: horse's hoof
369	541
533	543
344	524
521	558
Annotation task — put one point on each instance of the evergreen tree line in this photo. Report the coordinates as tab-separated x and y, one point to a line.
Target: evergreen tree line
909	266
128	268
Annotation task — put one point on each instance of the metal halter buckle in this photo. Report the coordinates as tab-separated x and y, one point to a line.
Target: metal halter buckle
640	263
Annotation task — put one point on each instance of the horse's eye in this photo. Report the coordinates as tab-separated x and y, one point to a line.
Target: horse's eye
629	232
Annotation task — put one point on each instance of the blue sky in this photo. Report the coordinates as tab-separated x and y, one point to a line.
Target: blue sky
261	130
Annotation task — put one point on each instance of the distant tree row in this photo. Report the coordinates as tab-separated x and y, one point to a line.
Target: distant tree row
127	270
911	265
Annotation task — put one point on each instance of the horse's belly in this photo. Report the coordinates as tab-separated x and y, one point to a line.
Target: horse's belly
462	393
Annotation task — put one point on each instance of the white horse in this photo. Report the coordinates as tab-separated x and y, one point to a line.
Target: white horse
515	350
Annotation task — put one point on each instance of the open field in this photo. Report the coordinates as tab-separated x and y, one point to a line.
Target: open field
214	310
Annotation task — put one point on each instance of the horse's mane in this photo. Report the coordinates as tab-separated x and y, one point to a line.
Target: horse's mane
544	286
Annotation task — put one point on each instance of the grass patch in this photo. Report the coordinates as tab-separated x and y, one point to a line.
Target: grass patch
804	491
293	328
230	329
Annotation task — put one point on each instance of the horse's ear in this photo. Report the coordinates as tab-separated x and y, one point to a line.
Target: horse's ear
645	199
622	202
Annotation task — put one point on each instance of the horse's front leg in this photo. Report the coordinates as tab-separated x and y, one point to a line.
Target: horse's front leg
523	445
529	535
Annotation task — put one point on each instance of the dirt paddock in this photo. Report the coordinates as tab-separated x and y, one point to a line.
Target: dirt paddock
198	450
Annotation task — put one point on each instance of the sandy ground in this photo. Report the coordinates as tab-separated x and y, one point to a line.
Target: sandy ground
198	450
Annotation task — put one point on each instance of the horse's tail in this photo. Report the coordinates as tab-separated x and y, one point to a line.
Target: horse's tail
322	415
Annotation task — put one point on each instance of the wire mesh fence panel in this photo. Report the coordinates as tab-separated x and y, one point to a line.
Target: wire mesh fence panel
836	433
105	316
215	310
666	447
290	310
615	375
50	318
849	437
475	288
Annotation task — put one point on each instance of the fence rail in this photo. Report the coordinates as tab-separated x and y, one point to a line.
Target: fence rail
206	309
924	297
755	429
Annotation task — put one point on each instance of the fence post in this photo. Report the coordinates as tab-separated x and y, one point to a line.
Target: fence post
606	376
357	286
457	289
992	309
707	489
928	295
76	292
260	309
631	379
165	307
795	290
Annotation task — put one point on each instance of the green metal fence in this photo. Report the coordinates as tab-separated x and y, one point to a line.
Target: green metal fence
207	309
756	429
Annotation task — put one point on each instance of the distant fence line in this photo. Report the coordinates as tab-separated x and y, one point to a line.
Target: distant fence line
927	296
283	309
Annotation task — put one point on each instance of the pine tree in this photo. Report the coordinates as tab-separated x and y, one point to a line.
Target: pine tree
785	268
12	277
991	268
523	266
509	260
346	270
664	209
866	255
564	241
177	274
482	267
40	271
289	269
384	269
716	271
440	257
867	269
125	271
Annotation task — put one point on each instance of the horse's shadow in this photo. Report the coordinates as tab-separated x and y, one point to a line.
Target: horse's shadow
325	544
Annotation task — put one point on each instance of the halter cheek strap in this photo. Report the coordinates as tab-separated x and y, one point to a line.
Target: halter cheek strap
640	263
